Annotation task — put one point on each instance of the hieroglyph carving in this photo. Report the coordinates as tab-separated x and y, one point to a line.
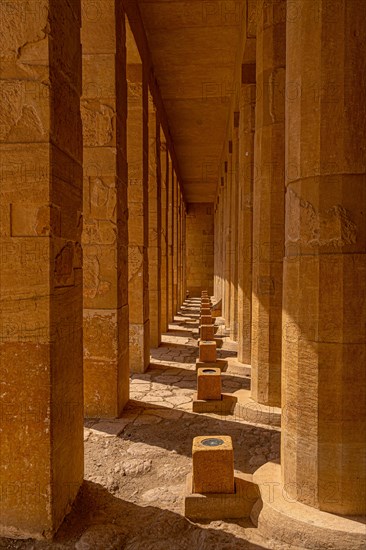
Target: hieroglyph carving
331	227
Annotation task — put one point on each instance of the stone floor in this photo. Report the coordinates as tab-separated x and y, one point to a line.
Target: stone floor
135	466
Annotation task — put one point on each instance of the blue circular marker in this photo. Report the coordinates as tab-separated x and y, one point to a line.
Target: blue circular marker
212	442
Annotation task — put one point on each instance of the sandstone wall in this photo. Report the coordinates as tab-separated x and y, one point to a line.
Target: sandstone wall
200	247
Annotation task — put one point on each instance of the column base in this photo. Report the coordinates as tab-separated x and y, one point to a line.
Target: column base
225	405
279	517
250	411
216	506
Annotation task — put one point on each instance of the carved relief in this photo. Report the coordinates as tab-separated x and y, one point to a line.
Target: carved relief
28	220
134	89
97	124
64	266
21	33
135	259
332	227
18	117
66	262
94	285
266	286
99	232
102	199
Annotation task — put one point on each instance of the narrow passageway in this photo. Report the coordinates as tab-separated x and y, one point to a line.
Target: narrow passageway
136	466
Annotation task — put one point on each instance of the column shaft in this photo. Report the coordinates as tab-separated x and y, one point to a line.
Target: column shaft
138	226
154	227
41	342
268	203
234	236
104	111
170	238
246	168
324	331
164	233
227	243
175	244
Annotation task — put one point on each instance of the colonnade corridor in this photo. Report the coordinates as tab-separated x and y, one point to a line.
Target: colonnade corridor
183	274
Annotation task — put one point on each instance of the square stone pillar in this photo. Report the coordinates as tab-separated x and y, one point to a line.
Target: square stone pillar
179	277
227	242
164	233
268	203
41	302
105	233
154	254
218	242
170	238
324	331
234	232
175	242
138	226
184	250
245	236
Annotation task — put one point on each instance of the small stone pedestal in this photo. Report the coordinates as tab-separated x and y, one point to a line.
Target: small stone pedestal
207	351
209	383
207	332
212	491
209	397
213	464
207	320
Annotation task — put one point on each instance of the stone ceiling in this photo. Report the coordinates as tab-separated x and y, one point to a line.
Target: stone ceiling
193	46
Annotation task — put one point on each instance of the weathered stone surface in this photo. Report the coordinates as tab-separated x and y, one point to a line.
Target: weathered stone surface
138	227
209	383
268	203
207	351
213	467
41	421
155	224
324	340
200	248
106	361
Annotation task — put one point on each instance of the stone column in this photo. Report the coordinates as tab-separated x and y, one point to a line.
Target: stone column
228	240
324	331
184	250
234	233
175	243
154	227
164	233
137	157
104	110
180	209
246	166
41	302
180	252
268	203
170	238
219	232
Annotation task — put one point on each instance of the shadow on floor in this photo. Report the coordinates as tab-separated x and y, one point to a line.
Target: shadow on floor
158	369
178	428
141	527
